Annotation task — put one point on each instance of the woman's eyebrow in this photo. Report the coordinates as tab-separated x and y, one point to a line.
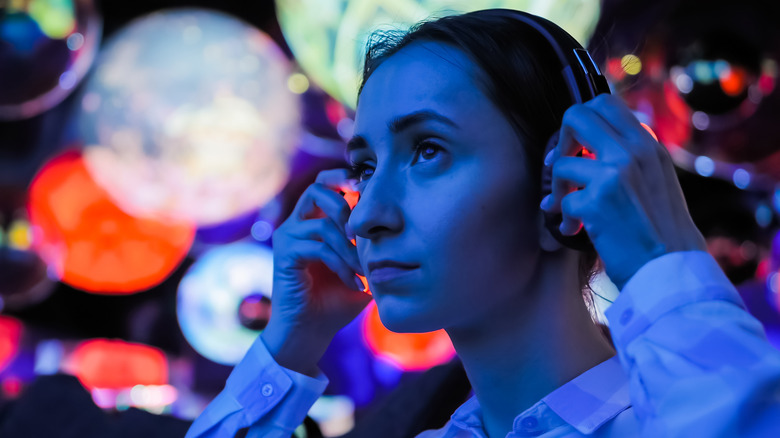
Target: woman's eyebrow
400	123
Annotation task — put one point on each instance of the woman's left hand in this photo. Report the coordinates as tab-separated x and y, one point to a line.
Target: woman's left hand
630	203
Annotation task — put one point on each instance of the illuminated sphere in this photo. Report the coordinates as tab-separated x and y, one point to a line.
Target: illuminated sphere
188	114
46	47
214	293
88	242
408	351
329	37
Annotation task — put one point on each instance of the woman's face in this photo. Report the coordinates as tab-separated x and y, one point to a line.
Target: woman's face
447	219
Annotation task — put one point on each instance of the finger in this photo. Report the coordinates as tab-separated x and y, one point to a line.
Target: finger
310	251
652	158
318	199
583	127
618	115
324	230
573	209
568	174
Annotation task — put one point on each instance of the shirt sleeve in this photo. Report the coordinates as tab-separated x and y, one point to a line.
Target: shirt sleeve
698	363
261	394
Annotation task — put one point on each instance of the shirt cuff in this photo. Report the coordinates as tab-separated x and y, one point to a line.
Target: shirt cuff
664	284
258	384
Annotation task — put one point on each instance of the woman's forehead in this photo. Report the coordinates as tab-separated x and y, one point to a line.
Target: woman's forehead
423	75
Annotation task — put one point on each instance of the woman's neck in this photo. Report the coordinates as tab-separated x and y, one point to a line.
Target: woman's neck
528	348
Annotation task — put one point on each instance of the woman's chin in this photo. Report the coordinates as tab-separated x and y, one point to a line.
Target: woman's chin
400	321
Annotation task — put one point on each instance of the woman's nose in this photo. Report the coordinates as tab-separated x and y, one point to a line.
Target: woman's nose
377	212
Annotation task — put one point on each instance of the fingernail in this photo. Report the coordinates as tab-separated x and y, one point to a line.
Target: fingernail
545	202
548	158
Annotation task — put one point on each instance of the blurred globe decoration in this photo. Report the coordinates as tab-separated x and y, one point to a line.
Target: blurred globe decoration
328	37
188	114
408	351
46	48
89	243
223	301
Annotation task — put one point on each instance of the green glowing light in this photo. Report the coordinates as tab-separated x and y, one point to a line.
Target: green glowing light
56	18
328	37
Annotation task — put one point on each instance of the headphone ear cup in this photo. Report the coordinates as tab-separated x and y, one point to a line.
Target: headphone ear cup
552	221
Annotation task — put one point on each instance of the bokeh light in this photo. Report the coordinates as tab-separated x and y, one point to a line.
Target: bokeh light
189	114
10	337
90	243
329	38
46	48
409	351
227	284
114	364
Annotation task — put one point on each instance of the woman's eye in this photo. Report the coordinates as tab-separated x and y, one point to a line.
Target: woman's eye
426	150
361	172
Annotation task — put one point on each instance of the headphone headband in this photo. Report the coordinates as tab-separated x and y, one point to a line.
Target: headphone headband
584	81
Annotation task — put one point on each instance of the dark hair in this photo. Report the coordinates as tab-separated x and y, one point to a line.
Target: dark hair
518	71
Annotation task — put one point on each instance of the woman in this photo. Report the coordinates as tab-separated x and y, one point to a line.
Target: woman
448	152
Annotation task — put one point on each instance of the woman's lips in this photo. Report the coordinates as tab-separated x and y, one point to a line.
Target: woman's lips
387	270
386	274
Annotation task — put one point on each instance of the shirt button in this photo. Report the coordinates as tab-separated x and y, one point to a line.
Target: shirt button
267	390
529	422
626	316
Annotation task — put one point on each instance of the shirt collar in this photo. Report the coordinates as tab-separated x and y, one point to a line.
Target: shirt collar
592	398
586	402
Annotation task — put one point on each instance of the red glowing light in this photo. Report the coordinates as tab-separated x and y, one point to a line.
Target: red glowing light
12	387
92	244
615	68
733	81
10	336
410	351
108	364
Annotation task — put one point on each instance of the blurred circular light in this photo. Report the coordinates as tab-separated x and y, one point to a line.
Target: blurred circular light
764	216
103	363
704	165
189	114
211	296
631	64
10	337
684	83
700	120
262	231
90	243
298	83
409	351
46	48
741	178
329	38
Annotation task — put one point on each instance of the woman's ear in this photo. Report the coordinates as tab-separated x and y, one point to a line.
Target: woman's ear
546	239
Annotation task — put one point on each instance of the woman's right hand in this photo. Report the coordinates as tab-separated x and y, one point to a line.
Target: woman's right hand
316	291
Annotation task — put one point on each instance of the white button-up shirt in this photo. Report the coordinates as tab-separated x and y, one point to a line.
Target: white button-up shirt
692	362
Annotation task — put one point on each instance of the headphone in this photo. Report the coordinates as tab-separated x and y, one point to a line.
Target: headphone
584	81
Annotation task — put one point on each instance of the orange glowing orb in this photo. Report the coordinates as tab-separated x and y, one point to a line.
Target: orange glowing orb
114	364
409	351
10	335
90	243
